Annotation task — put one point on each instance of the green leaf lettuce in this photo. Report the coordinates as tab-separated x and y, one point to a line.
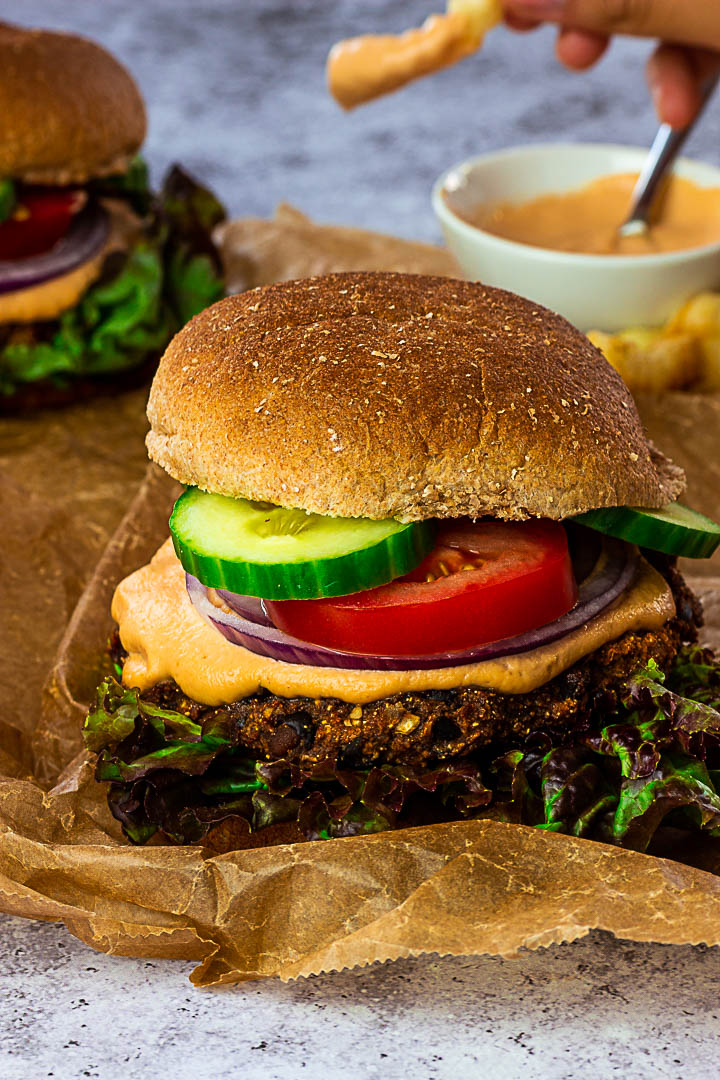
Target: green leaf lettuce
656	762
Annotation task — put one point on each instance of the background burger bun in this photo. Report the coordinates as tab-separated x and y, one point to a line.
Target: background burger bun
69	111
390	395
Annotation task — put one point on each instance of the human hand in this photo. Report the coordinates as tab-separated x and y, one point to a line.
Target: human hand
689	49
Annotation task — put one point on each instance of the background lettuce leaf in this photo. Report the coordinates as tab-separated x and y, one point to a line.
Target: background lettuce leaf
132	185
142	299
7	198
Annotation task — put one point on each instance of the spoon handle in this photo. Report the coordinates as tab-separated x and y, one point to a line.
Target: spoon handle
666	146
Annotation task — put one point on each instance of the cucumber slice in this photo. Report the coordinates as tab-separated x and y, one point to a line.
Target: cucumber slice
257	549
675	529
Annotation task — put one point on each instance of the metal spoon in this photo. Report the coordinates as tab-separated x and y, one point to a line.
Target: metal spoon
666	147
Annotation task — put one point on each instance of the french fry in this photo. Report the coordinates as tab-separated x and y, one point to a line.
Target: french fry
640	338
612	349
670	363
482	15
709	348
363	68
651	360
699	316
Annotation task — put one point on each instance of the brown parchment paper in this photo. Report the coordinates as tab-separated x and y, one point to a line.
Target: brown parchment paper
288	909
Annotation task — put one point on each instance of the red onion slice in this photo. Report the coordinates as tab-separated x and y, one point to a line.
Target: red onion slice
88	233
247	607
612	574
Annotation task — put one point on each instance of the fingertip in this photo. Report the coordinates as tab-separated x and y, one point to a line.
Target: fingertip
517	23
674	110
580	49
673	85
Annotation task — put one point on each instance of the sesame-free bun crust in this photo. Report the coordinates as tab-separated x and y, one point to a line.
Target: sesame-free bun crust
390	395
69	111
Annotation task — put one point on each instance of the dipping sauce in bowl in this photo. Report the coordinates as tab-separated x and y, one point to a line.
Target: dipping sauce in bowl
586	221
541	221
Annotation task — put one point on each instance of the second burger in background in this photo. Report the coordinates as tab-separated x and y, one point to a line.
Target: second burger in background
97	272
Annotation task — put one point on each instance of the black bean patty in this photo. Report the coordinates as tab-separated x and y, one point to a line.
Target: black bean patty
424	727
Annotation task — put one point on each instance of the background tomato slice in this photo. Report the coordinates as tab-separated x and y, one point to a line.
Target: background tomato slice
482	582
41	218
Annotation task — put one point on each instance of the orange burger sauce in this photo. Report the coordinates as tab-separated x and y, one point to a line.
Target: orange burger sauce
586	221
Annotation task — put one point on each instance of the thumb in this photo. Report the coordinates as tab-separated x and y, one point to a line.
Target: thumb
691	22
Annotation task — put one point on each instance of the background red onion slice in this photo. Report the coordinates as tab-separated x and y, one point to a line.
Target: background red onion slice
612	574
86	236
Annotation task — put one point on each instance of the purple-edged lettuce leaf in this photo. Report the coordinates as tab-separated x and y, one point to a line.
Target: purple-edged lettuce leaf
656	760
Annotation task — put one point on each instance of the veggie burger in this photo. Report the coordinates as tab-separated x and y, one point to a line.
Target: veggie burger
96	272
424	568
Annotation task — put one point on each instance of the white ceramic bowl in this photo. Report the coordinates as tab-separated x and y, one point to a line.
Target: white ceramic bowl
606	292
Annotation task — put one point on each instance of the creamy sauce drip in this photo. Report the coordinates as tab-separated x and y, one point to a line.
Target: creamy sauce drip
166	638
586	221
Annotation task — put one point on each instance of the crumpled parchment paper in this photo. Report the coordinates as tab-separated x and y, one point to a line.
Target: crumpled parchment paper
285	909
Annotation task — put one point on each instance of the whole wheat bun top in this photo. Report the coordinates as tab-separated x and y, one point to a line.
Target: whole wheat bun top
391	395
69	111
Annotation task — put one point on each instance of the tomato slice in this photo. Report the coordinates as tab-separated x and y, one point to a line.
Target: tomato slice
41	218
482	582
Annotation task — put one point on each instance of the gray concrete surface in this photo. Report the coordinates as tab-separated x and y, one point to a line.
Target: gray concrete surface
235	91
595	1009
